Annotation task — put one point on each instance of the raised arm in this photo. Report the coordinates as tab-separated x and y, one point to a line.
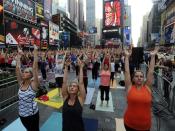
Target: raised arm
151	68
64	86
82	95
128	82
18	66
35	82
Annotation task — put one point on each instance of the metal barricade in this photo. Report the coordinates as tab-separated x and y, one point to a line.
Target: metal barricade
8	94
163	98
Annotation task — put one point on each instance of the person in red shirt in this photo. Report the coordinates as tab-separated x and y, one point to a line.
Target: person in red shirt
137	116
105	74
2	61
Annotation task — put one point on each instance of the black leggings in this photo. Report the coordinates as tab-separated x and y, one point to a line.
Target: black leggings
130	129
104	89
31	123
94	74
112	76
85	80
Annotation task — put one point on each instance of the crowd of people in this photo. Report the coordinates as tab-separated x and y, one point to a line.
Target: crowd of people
104	63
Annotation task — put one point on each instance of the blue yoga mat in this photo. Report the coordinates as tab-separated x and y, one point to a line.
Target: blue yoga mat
91	83
15	126
54	123
90	124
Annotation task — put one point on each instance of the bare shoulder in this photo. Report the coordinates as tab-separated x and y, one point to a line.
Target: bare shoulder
81	101
33	86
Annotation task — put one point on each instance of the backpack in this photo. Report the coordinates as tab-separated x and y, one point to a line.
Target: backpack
41	91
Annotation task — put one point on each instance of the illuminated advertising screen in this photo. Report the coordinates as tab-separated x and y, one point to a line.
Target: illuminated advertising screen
44	35
53	33
17	33
127	36
112	13
22	8
1	23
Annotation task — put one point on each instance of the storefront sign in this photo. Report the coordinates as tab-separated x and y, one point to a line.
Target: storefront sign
17	33
22	8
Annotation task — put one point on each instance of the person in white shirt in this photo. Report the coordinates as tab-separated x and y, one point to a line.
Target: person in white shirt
59	73
112	70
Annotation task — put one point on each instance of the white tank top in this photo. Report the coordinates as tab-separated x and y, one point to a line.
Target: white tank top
27	105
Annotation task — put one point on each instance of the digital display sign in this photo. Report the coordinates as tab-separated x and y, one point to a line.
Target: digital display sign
112	13
17	33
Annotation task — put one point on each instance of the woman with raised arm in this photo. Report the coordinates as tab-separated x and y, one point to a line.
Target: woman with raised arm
138	113
105	74
29	83
73	96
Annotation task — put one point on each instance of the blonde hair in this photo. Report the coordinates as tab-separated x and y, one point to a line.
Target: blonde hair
30	70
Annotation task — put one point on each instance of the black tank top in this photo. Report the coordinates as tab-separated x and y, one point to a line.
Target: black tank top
72	116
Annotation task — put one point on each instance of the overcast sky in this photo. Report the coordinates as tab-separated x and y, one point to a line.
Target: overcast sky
138	9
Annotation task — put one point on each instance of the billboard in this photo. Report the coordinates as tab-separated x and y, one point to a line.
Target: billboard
127	36
20	34
112	13
92	30
22	8
44	35
39	10
1	23
53	33
170	34
127	16
65	39
48	9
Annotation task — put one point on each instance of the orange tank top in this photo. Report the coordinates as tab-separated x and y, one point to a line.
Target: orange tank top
138	112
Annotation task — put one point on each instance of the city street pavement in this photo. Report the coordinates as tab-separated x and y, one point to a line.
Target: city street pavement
106	120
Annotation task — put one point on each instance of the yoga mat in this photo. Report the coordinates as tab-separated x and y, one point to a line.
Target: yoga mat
91	83
90	124
54	123
119	124
52	100
114	84
120	87
90	93
15	126
104	107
